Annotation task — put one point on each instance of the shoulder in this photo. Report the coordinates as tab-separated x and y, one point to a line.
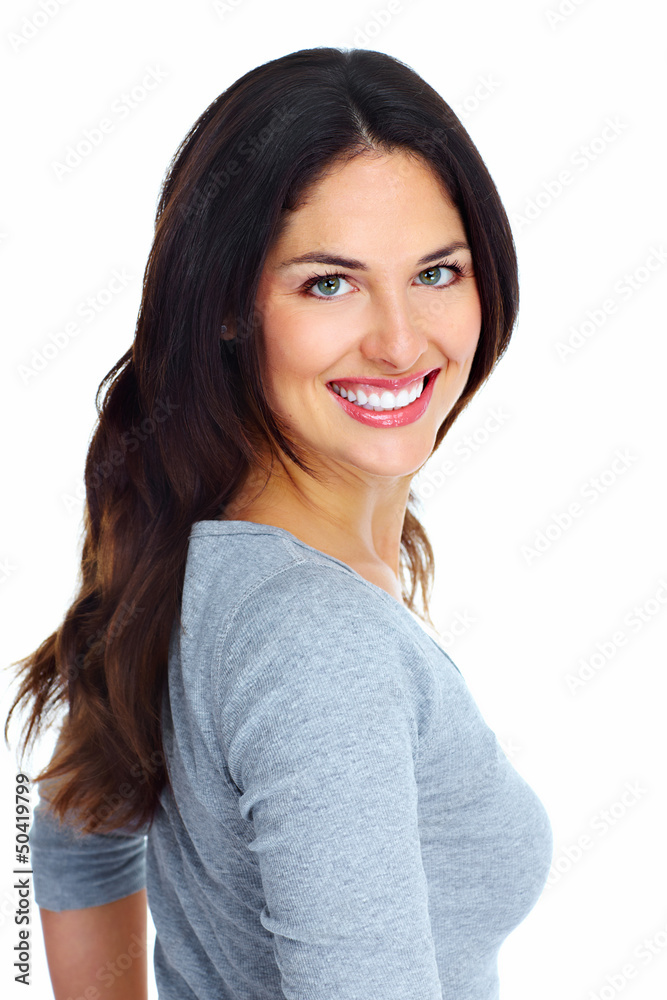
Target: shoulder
266	612
315	605
313	641
312	662
255	578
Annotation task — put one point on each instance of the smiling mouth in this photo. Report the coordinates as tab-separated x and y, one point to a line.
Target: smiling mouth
368	396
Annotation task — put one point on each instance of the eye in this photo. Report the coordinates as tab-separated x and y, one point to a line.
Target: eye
451	273
326	284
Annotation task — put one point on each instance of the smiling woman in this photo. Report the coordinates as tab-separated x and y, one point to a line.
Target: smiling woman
260	730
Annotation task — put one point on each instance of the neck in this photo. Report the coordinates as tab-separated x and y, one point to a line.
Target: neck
351	515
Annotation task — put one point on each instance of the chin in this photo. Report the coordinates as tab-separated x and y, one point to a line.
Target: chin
393	464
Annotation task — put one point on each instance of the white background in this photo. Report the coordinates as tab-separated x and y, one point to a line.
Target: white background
530	599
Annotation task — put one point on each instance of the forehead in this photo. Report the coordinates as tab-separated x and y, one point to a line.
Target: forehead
369	199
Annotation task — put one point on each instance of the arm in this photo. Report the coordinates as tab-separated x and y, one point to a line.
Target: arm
92	898
320	726
99	951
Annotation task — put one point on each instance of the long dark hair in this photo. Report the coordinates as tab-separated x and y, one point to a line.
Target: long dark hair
184	414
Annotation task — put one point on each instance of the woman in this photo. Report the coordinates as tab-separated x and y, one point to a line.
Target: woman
261	728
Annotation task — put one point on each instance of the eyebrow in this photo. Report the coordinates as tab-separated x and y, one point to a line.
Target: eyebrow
350	264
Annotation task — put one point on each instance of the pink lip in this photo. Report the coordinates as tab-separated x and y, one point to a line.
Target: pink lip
384	383
390	418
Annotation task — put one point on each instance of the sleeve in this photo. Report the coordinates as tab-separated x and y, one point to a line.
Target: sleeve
321	732
72	870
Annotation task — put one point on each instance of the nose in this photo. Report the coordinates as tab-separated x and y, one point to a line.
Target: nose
395	334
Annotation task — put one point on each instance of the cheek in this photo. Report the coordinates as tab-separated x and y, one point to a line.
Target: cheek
460	339
296	350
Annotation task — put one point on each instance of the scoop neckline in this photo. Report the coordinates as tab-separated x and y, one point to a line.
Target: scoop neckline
259	527
232	526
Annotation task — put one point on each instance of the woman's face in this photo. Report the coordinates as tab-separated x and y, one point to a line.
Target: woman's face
398	307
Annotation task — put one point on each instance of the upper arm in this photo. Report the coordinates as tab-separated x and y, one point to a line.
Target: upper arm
321	733
73	871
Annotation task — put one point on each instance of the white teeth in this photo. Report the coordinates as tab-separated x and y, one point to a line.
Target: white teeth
386	401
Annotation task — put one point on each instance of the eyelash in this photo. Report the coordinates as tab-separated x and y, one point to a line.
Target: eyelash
313	279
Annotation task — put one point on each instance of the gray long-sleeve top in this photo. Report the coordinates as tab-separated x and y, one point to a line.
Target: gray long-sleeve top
343	823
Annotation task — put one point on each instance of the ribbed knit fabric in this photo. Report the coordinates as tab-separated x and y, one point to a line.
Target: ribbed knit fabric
343	823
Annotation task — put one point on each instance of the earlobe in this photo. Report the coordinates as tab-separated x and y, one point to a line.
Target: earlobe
226	334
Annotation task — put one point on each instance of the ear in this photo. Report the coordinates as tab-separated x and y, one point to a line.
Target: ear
226	334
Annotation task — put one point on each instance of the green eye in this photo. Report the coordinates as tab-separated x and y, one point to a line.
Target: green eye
433	275
329	285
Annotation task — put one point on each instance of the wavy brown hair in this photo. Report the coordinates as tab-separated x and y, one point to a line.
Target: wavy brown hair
184	416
